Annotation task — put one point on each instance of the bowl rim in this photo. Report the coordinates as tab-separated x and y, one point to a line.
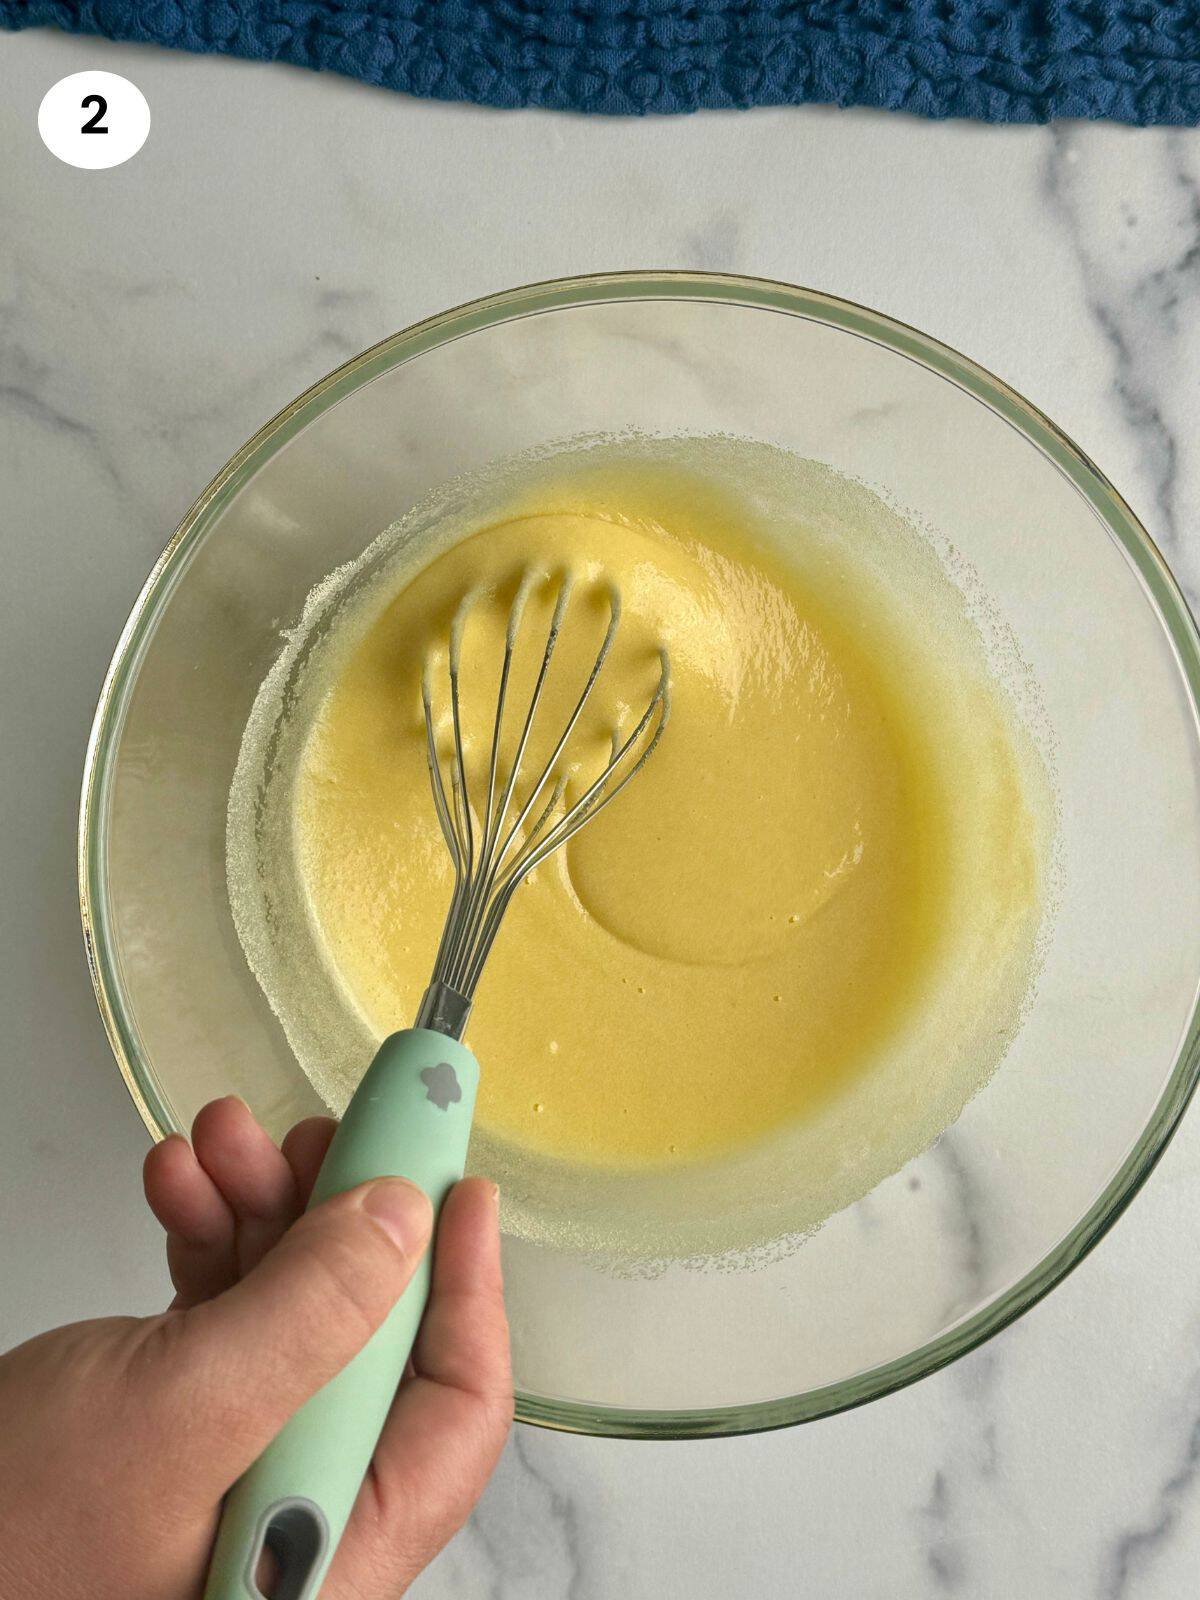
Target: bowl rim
562	294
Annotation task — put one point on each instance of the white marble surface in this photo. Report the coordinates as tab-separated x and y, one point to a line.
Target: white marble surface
152	316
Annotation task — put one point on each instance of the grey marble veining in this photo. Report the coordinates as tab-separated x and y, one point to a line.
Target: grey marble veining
1137	248
153	316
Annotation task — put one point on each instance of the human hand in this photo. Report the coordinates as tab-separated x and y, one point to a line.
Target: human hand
120	1436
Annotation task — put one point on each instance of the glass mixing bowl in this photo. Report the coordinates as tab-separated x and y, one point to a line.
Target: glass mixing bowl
974	1231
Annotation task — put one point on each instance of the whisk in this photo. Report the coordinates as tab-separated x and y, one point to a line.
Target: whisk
411	1114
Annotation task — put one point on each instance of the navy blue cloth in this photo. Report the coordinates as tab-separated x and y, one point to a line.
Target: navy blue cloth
1000	60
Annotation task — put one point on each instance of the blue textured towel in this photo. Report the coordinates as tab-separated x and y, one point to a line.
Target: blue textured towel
1001	60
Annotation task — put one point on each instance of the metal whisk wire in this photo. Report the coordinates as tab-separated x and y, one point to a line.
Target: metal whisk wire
491	862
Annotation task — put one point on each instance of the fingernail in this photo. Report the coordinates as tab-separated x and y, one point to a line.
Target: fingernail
495	1190
402	1211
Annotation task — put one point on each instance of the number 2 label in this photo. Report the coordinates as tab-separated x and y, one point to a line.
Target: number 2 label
92	125
94	119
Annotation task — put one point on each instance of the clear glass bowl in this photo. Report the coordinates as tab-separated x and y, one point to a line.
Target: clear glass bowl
969	1235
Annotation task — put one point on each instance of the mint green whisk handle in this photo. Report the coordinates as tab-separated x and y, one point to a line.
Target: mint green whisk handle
410	1118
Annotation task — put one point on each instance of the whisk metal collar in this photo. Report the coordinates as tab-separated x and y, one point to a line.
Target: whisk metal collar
443	1010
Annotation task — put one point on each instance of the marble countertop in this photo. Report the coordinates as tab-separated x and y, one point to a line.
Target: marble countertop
275	223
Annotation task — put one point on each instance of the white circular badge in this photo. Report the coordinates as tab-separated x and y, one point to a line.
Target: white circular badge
94	119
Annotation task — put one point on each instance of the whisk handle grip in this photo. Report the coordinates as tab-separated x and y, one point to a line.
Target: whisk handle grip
410	1117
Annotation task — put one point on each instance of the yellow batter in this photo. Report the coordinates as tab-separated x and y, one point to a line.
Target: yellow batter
837	814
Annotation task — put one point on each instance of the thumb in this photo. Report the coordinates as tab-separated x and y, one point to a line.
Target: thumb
238	1366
